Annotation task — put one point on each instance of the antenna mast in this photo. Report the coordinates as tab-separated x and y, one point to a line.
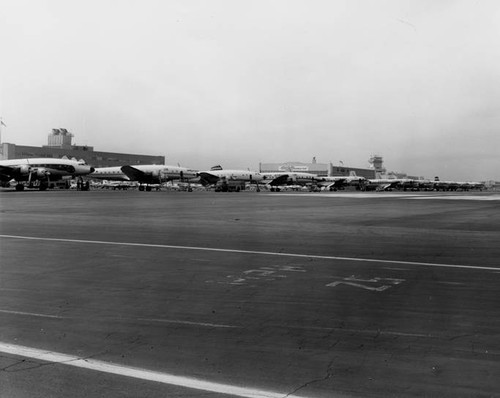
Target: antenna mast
2	124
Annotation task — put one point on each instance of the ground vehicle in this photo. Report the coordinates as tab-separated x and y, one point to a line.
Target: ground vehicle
224	185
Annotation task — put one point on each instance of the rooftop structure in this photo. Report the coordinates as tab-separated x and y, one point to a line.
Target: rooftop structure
60	144
60	138
320	169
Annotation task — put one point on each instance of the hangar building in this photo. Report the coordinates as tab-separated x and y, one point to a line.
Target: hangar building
59	145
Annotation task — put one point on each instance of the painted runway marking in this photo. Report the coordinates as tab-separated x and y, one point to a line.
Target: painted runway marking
278	254
190	323
268	274
360	331
373	195
368	284
214	325
138	373
31	314
172	321
378	195
458	197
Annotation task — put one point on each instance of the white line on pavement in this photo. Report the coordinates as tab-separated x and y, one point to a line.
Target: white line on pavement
143	374
31	314
178	322
172	321
211	249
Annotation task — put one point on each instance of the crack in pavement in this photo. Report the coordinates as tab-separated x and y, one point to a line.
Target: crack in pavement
42	363
328	375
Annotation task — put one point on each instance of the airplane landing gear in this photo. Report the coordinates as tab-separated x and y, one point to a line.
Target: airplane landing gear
43	185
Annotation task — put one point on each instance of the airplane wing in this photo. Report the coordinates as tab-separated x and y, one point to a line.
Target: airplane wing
338	184
388	185
6	173
333	186
280	180
136	174
208	178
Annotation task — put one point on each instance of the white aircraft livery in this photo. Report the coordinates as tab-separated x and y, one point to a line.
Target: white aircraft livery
145	174
217	174
334	183
43	170
275	180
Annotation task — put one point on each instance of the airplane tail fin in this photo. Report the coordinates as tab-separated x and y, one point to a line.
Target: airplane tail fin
352	173
218	167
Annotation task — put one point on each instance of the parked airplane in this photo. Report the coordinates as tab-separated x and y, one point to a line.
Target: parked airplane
145	175
424	184
440	185
476	185
43	170
456	185
216	175
334	183
275	180
388	184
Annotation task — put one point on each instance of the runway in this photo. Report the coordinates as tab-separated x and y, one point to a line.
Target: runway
127	294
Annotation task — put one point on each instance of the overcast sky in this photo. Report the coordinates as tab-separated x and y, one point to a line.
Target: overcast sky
241	82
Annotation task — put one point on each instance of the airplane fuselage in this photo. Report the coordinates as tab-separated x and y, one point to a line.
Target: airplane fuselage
109	173
288	178
234	175
147	174
41	169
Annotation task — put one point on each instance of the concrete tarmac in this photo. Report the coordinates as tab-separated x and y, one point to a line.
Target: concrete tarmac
203	294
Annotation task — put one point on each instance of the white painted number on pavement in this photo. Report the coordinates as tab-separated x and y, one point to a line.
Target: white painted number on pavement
270	273
374	284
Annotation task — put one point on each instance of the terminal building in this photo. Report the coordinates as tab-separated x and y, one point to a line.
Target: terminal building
323	169
60	144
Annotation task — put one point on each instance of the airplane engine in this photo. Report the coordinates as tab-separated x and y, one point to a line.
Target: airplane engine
24	169
157	175
162	175
40	173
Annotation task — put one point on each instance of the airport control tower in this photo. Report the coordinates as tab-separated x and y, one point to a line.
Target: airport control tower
377	163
